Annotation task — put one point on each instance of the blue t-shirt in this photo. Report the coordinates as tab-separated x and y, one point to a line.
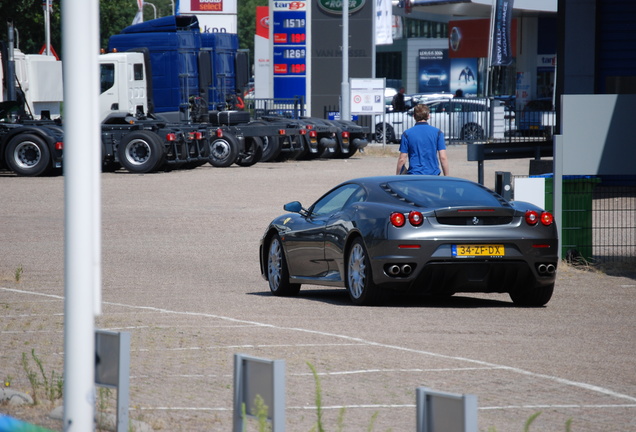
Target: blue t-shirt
422	142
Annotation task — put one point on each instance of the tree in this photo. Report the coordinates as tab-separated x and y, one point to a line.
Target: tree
246	21
27	17
115	15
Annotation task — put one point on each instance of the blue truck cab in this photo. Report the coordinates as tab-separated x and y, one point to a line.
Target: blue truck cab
186	68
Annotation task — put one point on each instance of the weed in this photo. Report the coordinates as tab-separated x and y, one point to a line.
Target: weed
319	427
261	414
7	381
374	417
260	410
52	387
103	397
532	418
32	377
18	273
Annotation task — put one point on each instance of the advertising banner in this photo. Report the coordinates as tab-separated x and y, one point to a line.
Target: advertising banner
501	46
463	76
215	16
383	23
262	64
206	6
433	71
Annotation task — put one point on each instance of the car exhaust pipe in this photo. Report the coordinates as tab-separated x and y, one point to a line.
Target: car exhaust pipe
394	270
542	268
550	268
406	269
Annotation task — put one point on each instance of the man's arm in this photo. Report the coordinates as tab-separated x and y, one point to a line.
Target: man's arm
402	158
443	160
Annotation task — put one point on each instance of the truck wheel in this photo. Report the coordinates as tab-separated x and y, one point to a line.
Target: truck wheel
223	151
253	152
140	152
28	155
271	148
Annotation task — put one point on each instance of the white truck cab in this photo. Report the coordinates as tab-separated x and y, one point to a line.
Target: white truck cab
123	85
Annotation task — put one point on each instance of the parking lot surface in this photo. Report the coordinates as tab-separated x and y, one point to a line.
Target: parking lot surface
181	274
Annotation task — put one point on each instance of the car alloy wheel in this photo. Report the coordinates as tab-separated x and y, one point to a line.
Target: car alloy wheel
277	273
357	274
274	263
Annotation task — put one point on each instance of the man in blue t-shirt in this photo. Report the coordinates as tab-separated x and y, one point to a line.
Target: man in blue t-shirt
423	146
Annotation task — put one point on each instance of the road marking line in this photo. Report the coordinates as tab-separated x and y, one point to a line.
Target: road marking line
563	381
409	406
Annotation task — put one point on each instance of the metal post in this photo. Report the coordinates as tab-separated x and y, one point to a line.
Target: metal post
47	26
80	36
345	108
123	382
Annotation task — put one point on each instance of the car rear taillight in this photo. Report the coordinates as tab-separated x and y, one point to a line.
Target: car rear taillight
547	219
313	134
59	145
219	133
171	136
532	217
398	219
345	134
416	218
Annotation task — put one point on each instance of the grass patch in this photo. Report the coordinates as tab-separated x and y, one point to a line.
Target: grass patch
389	150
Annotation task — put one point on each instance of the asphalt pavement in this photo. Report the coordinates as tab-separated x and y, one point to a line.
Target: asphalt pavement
181	274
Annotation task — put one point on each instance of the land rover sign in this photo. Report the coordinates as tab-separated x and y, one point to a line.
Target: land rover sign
335	6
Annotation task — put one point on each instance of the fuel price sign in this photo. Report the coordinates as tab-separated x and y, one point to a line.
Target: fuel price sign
289	48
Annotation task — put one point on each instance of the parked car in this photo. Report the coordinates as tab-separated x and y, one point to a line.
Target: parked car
465	119
537	119
421	234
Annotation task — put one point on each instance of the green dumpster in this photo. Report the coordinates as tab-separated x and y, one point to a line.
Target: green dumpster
576	224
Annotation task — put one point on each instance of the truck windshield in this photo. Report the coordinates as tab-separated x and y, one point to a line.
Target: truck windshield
107	76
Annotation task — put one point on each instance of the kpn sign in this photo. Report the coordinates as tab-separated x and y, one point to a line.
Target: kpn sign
335	6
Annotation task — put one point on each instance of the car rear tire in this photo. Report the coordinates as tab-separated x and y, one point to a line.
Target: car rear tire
534	296
472	132
379	132
277	272
362	290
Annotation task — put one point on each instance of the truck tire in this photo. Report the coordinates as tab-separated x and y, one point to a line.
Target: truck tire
253	152
224	150
271	148
28	155
140	152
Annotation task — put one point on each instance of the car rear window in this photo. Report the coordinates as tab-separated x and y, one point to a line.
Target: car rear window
443	192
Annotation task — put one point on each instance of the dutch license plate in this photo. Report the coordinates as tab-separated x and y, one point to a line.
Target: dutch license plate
489	250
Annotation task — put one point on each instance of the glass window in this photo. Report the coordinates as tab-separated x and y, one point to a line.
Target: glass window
444	193
138	70
336	200
107	76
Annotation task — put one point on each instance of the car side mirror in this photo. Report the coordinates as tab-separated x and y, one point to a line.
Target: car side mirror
293	207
